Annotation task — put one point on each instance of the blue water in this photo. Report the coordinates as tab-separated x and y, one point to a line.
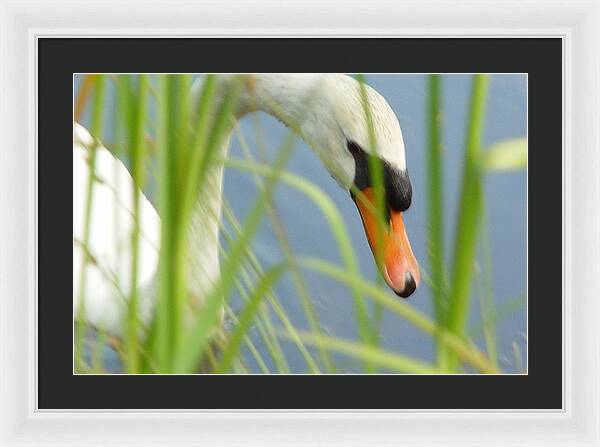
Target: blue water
308	233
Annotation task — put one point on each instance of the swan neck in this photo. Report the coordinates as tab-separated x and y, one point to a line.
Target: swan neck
282	96
203	236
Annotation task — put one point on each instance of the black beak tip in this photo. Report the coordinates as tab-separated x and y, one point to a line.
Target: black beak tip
409	286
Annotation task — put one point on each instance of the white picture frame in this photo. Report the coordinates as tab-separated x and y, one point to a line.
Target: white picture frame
576	22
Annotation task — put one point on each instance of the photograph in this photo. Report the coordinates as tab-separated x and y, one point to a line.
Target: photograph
300	223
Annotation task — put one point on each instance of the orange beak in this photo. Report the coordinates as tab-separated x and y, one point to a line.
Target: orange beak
391	249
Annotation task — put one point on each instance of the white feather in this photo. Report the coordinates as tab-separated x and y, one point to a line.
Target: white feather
108	277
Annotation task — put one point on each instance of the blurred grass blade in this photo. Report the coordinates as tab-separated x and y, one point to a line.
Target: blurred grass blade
96	132
435	203
246	317
189	352
377	183
86	88
487	302
249	344
299	283
463	349
336	224
507	155
371	355
375	169
136	125
207	144
179	89
159	336
504	310
468	216
435	208
262	322
203	130
518	358
271	340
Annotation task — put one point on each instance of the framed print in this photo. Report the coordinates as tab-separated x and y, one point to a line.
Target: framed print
338	140
317	236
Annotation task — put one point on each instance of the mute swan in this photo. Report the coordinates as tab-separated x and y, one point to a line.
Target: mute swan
329	111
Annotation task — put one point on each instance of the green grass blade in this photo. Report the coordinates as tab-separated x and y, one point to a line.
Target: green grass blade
507	155
249	344
98	352
371	355
377	182
335	221
174	186
231	350
245	282
503	311
468	215
182	126
187	356
96	132
179	89
208	143
375	169
138	108
160	331
305	300
205	121
487	302
464	350
273	301
435	203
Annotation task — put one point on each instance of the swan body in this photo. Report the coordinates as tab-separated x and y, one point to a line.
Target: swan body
327	111
108	276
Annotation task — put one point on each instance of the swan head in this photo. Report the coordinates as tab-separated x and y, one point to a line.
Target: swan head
335	124
328	110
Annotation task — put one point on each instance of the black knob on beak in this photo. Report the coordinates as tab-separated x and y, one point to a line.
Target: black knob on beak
409	286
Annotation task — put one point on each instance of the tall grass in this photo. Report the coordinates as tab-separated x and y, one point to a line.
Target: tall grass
435	204
96	129
312	317
187	334
469	216
136	113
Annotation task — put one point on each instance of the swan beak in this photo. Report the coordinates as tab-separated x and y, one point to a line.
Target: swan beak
395	258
